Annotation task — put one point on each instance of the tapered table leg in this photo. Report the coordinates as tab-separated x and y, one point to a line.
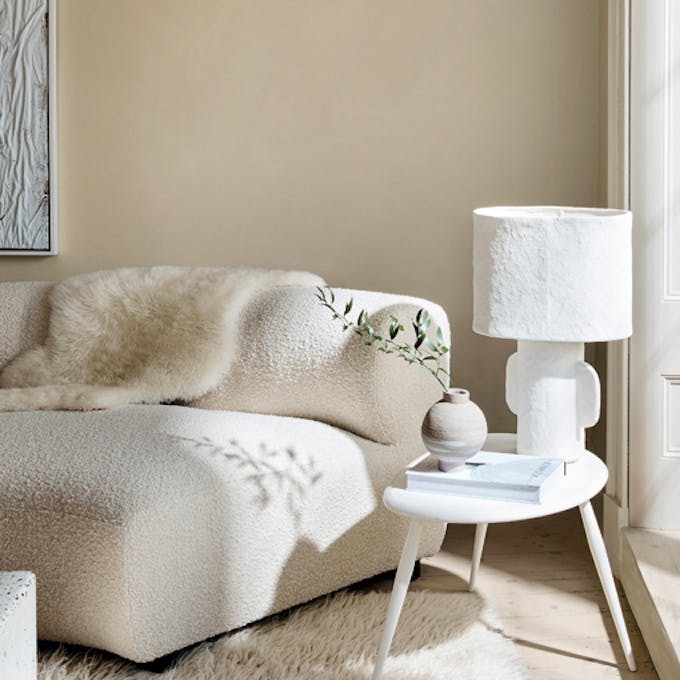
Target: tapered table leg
604	571
401	583
480	536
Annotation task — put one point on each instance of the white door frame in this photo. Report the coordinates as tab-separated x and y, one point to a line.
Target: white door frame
618	196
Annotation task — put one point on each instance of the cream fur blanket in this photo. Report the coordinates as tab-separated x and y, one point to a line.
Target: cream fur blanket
147	335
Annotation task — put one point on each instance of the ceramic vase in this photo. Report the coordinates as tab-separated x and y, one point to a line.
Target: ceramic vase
454	429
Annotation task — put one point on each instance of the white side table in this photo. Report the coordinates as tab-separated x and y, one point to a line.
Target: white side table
18	642
584	479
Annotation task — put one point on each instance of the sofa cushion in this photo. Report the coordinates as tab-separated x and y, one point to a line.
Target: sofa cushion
153	527
109	465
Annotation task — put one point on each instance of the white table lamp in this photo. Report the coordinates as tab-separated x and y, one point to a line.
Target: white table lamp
552	278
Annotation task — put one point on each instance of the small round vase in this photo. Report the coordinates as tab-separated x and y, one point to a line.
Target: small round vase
454	429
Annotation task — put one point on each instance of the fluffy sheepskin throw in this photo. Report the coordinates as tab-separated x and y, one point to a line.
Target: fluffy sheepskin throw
125	336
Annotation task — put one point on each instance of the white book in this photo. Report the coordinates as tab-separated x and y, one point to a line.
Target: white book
501	476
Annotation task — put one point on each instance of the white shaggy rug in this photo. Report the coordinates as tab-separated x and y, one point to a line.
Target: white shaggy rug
440	636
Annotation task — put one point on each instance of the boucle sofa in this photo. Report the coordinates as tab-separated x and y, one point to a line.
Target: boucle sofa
153	527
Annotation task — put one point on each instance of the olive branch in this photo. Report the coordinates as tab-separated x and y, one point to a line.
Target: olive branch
424	351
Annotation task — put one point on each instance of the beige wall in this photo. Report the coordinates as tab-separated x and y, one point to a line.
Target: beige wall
352	138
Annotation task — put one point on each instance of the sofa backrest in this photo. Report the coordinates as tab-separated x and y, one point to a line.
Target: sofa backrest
293	360
23	316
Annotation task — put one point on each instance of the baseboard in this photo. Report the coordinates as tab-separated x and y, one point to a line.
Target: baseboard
614	518
651	580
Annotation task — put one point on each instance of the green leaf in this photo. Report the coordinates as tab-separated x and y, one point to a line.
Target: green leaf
419	315
430	345
348	306
440	336
361	319
419	340
330	290
444	350
429	358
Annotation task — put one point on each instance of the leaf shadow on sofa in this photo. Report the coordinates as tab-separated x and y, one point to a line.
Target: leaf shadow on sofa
271	471
316	514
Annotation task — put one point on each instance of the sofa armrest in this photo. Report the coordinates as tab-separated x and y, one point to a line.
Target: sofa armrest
295	360
24	312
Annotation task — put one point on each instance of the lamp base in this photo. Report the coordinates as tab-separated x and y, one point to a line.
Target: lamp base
555	394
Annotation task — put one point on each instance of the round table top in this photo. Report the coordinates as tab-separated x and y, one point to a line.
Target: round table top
584	479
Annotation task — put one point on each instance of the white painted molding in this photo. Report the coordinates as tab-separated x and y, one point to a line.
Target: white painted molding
618	196
671	293
618	105
654	195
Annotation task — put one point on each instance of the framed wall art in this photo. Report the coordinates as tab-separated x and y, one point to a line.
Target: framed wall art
28	127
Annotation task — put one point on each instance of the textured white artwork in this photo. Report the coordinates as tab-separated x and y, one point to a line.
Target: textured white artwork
27	206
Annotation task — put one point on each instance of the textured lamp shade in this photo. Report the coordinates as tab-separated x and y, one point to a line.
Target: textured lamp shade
551	273
552	278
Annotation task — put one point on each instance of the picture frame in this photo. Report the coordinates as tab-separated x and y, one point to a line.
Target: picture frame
37	236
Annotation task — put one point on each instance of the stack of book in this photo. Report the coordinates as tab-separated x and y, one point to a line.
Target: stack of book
499	476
